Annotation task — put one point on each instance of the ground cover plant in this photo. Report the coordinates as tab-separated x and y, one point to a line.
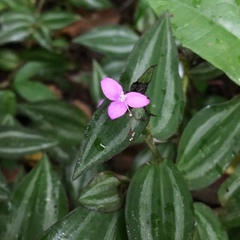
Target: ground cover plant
119	119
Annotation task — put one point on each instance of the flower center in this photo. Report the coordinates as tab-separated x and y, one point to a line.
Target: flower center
122	97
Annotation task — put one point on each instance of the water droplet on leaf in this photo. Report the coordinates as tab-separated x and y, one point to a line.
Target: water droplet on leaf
99	145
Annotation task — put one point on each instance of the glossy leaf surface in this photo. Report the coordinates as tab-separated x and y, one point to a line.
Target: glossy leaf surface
38	201
19	141
104	138
159	204
207	224
209	28
165	90
88	225
104	193
113	40
208	143
62	121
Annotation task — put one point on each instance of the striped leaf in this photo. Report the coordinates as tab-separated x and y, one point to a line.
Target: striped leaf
104	193
16	26
111	40
207	224
209	28
159	204
4	190
157	47
209	142
229	191
97	75
61	120
88	225
229	197
37	202
19	141
104	137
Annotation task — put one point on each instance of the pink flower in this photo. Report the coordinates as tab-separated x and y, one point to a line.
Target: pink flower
120	101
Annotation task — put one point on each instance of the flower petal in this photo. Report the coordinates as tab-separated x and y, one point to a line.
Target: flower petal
136	100
116	109
111	89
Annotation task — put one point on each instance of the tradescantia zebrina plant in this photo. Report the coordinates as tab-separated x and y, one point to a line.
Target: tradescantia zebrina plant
148	105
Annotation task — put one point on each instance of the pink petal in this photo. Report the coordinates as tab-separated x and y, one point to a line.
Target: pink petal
116	110
137	100
111	89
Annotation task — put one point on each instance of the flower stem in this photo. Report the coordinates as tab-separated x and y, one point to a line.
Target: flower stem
149	140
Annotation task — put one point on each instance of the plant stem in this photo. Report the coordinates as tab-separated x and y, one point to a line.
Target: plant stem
40	5
149	140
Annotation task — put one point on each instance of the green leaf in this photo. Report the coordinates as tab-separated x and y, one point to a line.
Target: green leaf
104	138
32	91
113	67
7	102
207	224
167	150
57	20
29	70
230	215
165	90
16	26
89	225
59	119
229	191
9	59
4	190
112	40
104	193
144	16
74	187
229	198
208	28
204	71
38	201
16	5
19	141
14	35
97	76
208	143
93	4
43	37
159	204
